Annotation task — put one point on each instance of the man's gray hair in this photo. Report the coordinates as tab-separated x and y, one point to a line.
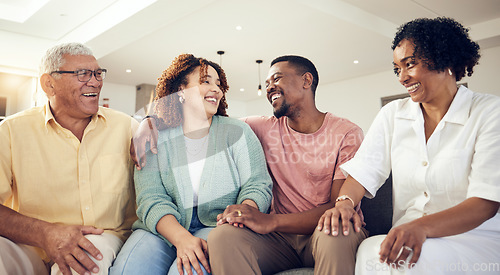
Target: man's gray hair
54	57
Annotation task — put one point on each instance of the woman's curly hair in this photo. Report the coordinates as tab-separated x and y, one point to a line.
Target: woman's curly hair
168	107
441	43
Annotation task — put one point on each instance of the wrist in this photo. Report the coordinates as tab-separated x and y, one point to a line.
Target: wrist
181	236
424	225
250	202
42	231
273	222
152	118
345	199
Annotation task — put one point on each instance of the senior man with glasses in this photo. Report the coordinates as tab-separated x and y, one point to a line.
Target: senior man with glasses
66	195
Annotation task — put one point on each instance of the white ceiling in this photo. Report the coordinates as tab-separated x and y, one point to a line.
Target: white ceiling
144	36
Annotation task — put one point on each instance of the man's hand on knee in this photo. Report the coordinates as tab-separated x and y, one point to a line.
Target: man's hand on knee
68	248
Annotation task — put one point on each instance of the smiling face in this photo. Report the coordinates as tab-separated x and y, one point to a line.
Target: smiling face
422	84
67	95
283	89
204	96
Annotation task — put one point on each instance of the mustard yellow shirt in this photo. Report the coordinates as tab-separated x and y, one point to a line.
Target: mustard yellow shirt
48	174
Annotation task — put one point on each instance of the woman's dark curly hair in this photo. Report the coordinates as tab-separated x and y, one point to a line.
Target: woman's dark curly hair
441	43
168	107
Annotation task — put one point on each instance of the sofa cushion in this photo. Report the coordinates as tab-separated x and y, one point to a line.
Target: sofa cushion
298	271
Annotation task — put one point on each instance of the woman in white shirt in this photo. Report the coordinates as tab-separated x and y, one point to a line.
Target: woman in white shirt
443	147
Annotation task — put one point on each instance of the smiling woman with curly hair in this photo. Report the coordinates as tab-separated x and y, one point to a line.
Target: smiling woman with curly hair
205	162
168	106
442	146
441	44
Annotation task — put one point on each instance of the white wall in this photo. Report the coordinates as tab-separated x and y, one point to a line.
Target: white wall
358	99
484	79
236	108
121	97
25	94
20	95
259	107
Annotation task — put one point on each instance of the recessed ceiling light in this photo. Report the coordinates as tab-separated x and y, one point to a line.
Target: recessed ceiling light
128	70
239	28
242	90
356	62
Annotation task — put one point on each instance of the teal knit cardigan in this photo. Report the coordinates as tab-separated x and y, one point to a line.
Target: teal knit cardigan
235	170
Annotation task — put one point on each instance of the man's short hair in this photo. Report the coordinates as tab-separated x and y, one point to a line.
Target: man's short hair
302	65
54	57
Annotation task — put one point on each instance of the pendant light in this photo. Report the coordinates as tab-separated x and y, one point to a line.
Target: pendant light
220	53
259	90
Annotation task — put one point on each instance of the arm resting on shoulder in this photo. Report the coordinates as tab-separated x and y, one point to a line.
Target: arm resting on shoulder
146	132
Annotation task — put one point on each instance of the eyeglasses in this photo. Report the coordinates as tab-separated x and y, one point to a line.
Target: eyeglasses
85	75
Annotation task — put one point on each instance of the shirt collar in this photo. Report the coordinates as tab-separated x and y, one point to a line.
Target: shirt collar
457	113
459	110
49	116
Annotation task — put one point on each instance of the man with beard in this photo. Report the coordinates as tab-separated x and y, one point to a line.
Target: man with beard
304	149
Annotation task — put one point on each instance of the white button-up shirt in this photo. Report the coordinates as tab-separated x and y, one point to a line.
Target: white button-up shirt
461	158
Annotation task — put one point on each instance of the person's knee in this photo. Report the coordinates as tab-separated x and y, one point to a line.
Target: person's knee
223	235
368	250
371	244
326	243
340	242
143	253
108	245
175	271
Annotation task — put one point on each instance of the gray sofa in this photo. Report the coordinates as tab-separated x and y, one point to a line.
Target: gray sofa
378	219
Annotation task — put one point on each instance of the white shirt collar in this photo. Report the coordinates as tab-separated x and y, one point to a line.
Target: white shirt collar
457	113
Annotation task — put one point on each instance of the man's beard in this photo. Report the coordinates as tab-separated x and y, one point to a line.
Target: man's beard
282	110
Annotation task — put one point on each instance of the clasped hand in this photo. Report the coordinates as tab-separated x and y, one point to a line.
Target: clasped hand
242	215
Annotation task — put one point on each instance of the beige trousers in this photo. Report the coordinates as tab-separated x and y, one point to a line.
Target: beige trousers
23	259
241	251
20	259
